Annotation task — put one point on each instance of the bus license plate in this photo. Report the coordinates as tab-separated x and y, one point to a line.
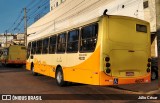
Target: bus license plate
129	73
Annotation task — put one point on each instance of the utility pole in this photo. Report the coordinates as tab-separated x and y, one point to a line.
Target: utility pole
6	37
157	2
25	27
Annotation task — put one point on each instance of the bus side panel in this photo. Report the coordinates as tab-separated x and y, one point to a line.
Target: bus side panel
37	65
52	70
45	66
28	65
87	72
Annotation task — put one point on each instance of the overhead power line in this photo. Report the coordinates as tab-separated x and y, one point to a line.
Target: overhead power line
35	9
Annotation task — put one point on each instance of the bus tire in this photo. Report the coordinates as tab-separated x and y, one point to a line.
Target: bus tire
5	63
59	77
33	72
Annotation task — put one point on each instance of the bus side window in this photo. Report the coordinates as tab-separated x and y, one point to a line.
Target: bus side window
89	38
61	43
39	47
45	46
52	45
72	44
33	50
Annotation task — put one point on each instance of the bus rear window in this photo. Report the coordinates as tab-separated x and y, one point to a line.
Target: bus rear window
141	28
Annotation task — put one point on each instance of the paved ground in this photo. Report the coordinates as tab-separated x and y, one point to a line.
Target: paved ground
141	88
19	81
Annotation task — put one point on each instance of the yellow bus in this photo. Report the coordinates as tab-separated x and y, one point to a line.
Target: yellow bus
14	54
108	50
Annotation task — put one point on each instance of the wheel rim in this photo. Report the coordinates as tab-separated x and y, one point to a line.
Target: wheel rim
59	77
153	75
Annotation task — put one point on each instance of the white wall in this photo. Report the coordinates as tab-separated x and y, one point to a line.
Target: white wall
20	36
72	12
3	38
55	3
150	15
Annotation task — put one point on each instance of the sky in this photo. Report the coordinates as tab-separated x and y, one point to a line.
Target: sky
9	11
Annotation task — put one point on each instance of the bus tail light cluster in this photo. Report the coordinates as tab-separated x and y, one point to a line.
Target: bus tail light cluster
149	65
108	64
108	70
107	59
149	59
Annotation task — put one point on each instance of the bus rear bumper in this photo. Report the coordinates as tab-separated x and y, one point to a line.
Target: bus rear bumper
108	80
19	62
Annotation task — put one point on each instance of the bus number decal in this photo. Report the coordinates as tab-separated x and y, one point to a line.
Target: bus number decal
81	58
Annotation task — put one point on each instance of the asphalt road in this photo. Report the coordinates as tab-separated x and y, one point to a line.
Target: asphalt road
18	81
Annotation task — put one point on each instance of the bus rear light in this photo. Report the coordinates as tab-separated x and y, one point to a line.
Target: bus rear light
148	70
149	59
148	65
107	59
108	70
108	64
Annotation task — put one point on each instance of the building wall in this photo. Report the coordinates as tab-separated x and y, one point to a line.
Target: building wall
72	12
55	3
20	36
3	38
150	14
11	39
154	49
158	13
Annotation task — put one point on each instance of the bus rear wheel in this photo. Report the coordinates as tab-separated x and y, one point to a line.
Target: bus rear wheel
59	77
33	71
